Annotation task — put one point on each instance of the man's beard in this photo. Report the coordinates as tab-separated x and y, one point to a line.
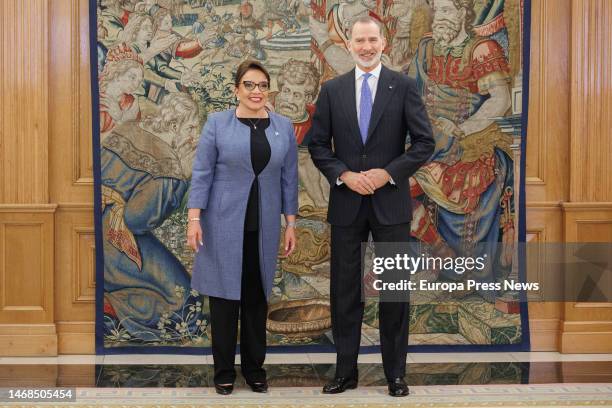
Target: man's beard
445	31
366	64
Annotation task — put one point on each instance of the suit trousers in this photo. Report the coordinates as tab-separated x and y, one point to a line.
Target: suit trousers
346	302
253	311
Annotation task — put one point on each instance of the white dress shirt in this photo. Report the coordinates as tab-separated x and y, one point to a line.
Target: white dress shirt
373	84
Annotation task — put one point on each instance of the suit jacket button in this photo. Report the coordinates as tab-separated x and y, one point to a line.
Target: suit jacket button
364	156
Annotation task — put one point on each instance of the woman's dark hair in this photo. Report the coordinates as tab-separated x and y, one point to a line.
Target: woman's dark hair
246	66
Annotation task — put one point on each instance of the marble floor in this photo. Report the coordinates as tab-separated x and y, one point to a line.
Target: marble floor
305	358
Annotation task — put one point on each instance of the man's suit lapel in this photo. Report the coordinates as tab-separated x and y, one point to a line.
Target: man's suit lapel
384	90
349	103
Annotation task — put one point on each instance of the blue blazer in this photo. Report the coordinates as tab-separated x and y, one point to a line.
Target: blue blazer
220	186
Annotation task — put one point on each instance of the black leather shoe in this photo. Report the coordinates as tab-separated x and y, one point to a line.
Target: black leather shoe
339	384
397	387
259	386
224	389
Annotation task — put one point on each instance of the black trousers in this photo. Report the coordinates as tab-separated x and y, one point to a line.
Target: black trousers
253	310
346	305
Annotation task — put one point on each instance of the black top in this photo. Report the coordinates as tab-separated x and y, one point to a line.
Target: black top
260	156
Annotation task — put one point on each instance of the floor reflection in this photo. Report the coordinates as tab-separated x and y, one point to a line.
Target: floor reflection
314	375
305	375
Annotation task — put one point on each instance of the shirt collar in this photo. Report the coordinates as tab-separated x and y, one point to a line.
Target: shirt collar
375	72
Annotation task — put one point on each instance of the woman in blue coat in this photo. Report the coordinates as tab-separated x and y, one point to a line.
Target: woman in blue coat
244	177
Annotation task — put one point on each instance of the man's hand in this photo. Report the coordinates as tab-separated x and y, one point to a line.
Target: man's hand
378	177
358	182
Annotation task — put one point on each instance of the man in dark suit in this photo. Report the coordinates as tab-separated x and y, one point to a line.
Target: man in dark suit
366	115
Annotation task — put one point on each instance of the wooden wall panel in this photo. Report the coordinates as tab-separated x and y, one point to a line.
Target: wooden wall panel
591	101
84	258
23	282
27	324
544	224
547	153
26	280
569	144
546	171
23	101
26	266
72	175
587	327
75	280
70	114
76	262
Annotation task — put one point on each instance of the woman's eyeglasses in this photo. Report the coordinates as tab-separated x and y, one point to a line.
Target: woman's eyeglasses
263	86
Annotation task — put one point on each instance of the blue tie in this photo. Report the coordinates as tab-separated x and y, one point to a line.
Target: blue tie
365	107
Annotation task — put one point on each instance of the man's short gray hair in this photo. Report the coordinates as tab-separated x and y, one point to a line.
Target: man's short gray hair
366	19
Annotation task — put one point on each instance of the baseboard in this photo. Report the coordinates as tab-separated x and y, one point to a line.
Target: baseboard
26	340
544	334
586	337
76	338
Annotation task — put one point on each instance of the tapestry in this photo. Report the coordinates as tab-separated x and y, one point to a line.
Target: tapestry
160	67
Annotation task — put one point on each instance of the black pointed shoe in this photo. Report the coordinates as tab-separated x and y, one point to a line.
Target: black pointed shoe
398	387
339	384
224	389
259	386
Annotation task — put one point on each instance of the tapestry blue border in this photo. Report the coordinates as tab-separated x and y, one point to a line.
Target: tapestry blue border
99	302
95	128
526	345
